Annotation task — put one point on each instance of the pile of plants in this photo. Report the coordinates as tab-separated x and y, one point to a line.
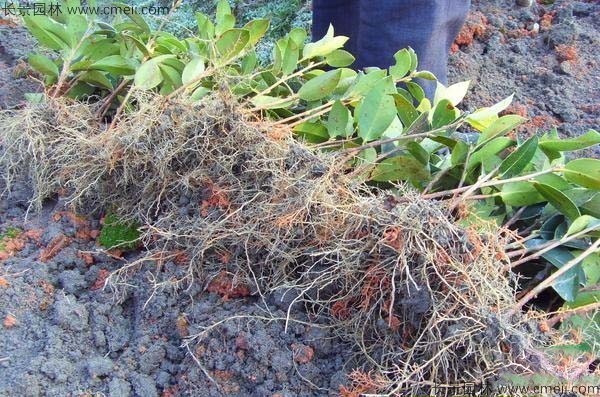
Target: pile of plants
447	247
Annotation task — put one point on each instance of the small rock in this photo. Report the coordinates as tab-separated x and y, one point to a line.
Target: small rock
302	353
99	366
69	314
119	388
566	68
72	281
151	359
143	385
57	369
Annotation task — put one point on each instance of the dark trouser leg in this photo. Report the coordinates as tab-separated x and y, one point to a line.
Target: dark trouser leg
342	14
428	26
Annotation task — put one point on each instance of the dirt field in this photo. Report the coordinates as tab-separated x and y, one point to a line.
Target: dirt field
62	335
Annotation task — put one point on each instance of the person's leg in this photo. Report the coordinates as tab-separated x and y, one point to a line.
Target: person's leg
342	14
428	26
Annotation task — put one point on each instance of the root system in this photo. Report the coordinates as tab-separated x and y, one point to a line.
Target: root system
423	300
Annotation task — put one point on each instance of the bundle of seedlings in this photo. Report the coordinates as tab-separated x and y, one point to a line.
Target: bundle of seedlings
396	219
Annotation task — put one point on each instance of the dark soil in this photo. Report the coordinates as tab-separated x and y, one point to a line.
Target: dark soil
63	335
546	55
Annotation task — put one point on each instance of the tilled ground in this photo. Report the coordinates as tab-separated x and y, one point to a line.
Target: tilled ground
63	335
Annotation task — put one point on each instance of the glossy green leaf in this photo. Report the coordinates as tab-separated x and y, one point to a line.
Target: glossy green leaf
376	113
425	75
114	64
582	223
321	86
402	65
364	83
406	111
337	121
257	29
558	200
312	132
231	44
206	28
584	172
43	64
516	162
443	114
271	102
416	91
193	70
225	19
454	93
484	117
501	127
588	139
48	32
148	75
96	78
325	46
339	59
399	168
135	17
519	194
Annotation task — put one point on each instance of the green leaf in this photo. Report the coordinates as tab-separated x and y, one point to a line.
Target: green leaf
171	75
312	132
484	117
582	223
364	83
286	56
148	75
424	74
591	206
520	194
48	32
519	159
257	29
114	64
225	19
590	138
337	122
231	44
454	93
399	168
584	172
339	59
558	200
271	102
402	66
193	70
206	28
459	153
96	78
591	268
491	148
135	17
406	111
376	113
567	285
416	91
320	86
443	114
43	65
500	127
325	46
199	93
